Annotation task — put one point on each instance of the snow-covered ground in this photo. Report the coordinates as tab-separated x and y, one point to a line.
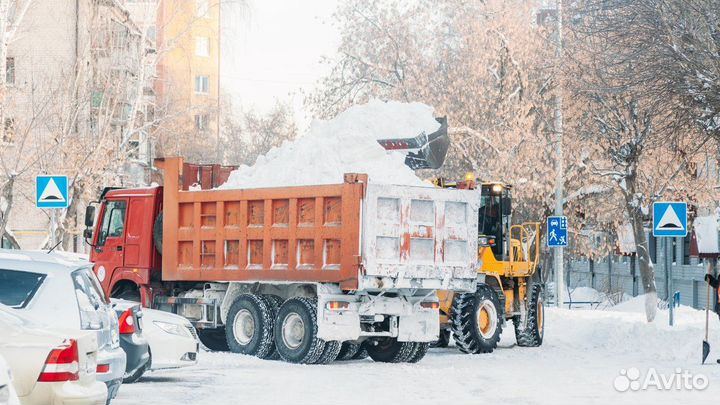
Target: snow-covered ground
582	356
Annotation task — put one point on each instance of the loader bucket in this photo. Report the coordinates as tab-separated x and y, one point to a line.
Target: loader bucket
423	151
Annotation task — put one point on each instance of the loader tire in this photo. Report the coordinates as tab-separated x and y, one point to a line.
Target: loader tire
330	353
476	320
214	339
296	330
443	339
348	350
249	326
275	302
389	350
532	334
158	233
421	349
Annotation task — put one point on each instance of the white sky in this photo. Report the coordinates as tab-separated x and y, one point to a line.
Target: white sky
272	49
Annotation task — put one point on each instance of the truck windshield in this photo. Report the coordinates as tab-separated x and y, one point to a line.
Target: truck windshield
18	287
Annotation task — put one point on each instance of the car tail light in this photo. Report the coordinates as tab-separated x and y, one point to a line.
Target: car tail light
62	364
103	368
127	322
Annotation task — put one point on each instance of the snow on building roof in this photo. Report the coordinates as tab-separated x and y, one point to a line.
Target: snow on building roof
706	232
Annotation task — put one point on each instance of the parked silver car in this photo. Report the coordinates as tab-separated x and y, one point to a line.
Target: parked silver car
60	293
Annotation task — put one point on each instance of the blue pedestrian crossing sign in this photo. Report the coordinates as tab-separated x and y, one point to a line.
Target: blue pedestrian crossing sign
51	191
670	219
557	232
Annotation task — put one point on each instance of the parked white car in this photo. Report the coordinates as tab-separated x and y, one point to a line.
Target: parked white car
52	291
173	340
48	366
8	396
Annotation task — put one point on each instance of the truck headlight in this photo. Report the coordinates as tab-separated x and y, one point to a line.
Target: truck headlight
171	328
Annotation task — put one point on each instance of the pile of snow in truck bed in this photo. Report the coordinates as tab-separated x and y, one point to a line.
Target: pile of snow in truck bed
344	144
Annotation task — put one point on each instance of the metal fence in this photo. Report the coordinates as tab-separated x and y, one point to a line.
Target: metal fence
675	270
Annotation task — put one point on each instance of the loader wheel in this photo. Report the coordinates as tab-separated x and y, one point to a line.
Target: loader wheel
275	302
443	339
214	339
532	334
249	326
348	350
296	331
389	350
476	320
421	349
330	353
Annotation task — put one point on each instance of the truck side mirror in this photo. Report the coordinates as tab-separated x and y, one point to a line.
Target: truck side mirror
89	216
87	233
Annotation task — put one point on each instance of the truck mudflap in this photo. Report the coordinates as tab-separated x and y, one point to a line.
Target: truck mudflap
419	237
351	317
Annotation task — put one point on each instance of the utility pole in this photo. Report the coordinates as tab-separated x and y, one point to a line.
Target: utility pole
559	159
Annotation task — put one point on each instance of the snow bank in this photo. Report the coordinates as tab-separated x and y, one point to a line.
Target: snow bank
583	294
345	144
706	230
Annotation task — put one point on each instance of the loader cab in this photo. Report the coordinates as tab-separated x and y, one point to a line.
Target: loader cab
494	218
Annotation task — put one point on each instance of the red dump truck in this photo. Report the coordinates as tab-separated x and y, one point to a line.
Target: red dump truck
307	273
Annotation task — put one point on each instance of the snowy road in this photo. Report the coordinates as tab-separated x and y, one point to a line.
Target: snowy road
579	362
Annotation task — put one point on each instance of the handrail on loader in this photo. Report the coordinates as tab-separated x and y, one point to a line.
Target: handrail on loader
526	245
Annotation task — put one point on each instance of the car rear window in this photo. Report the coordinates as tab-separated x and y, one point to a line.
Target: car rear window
18	287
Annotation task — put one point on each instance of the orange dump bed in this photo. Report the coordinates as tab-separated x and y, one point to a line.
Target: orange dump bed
306	233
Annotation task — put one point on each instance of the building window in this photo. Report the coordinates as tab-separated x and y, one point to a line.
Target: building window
201	122
202	7
9	131
202	46
202	84
10	71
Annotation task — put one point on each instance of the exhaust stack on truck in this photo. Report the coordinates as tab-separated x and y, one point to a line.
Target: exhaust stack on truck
306	273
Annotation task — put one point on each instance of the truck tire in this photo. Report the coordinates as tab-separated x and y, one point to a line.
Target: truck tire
158	233
389	350
476	320
532	334
362	354
249	326
421	349
443	339
275	302
213	339
296	331
348	350
330	353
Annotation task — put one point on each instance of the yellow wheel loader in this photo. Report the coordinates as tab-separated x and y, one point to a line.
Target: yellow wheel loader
509	279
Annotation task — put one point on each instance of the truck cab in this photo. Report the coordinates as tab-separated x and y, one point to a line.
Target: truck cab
123	249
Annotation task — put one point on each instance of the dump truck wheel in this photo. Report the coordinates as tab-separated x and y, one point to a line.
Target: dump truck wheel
389	350
214	339
348	350
158	232
330	352
361	354
532	334
296	331
275	302
443	339
249	326
476	320
421	349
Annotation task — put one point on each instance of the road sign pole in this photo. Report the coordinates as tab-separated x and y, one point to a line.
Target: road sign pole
53	226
